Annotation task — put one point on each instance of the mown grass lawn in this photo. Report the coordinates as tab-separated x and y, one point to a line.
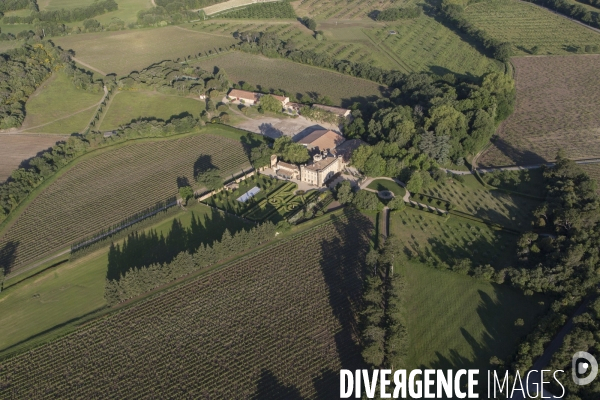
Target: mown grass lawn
455	321
384	184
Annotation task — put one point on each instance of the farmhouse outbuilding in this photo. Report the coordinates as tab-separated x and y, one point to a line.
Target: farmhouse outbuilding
243	96
321	140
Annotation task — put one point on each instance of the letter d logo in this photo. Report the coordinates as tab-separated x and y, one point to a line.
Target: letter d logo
580	367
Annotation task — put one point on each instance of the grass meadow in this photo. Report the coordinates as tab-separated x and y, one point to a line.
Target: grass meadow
127	106
557	99
57	99
122	52
301	81
455	321
527	25
111	184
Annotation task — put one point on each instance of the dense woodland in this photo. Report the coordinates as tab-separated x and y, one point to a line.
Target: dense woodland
440	117
563	263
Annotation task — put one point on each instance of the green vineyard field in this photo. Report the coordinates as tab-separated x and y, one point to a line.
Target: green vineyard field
105	189
278	322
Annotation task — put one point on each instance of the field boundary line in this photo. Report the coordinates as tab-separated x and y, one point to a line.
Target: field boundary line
78	61
51	122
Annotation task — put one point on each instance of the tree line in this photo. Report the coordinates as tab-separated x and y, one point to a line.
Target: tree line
176	78
384	338
13	5
139	280
270	45
76	14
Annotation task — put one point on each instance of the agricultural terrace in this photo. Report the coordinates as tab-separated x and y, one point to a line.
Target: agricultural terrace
340	9
104	50
16	148
438	241
127	106
470	197
299	80
424	44
282	319
109	185
455	321
76	288
526	26
557	99
58	100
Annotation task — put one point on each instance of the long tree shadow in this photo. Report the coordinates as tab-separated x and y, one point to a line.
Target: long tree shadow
343	270
270	387
145	248
8	254
203	164
518	156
